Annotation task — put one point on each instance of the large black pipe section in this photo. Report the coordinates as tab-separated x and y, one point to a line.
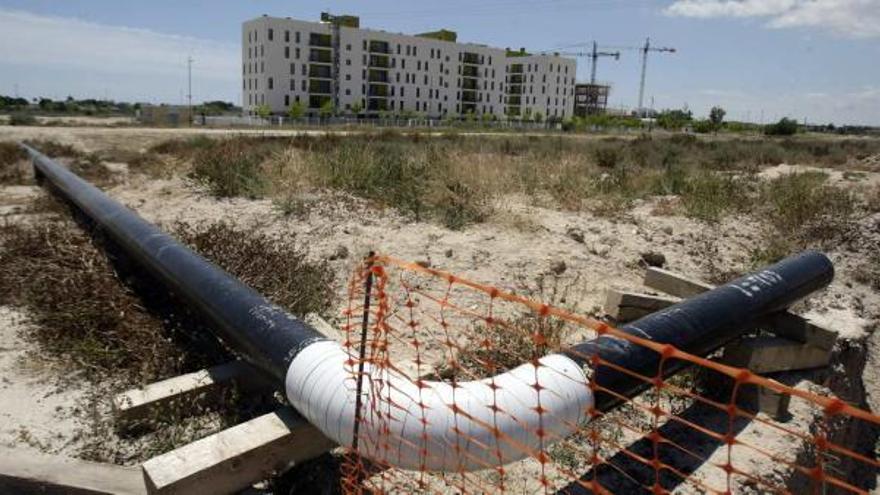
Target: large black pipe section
316	372
262	333
702	324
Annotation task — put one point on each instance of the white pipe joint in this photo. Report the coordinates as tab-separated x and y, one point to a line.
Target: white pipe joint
475	425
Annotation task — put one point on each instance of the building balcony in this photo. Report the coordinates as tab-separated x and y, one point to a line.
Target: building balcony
471	58
512	111
378	91
469	96
379	47
514	100
317	101
470	71
515	79
516	69
320	56
320	71
514	90
318	39
377	104
320	87
380	61
378	76
469	84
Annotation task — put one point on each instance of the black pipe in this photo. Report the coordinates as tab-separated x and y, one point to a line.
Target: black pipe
270	338
702	324
262	333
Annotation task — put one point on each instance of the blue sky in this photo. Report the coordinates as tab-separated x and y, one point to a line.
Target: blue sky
813	59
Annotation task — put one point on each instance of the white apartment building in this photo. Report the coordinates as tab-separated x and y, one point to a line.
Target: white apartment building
286	61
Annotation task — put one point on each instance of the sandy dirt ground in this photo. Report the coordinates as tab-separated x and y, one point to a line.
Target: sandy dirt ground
521	243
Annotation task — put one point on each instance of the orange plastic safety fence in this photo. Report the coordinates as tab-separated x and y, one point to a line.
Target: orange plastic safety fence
696	432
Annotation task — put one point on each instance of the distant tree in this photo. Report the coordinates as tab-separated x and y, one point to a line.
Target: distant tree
263	111
327	109
674	119
539	117
470	116
486	117
716	117
527	115
785	127
296	111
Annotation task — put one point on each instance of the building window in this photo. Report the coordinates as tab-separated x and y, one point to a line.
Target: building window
348	46
398	48
348	61
292	85
286	100
365	45
347	91
303	84
286	52
414	51
262	67
403	63
408	49
402	91
271	34
271	83
262	52
348	77
426	65
304	69
397	77
426	79
287	36
297	37
297	53
292	69
418	92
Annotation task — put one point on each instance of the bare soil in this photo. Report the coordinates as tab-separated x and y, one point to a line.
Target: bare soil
520	244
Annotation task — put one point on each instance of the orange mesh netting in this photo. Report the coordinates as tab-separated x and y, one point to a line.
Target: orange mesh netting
697	432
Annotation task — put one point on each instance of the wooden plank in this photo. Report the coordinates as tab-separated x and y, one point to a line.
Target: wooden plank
186	392
190	389
674	284
30	472
771	354
237	457
628	306
783	324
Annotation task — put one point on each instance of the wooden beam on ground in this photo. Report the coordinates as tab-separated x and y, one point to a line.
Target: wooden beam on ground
29	472
628	306
238	457
187	390
770	354
783	324
674	284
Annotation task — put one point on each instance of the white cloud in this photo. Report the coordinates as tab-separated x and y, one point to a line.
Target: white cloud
850	18
74	46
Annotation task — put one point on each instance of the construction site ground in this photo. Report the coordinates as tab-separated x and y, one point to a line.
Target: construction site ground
522	247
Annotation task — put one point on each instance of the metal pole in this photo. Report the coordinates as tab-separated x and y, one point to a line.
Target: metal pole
645	50
189	94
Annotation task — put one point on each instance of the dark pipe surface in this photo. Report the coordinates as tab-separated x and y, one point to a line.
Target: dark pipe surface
702	324
264	334
269	337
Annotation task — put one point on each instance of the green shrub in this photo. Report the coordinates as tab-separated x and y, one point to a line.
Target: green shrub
785	127
607	156
231	168
803	206
22	119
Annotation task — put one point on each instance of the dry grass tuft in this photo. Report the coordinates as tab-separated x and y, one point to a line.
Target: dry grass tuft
12	159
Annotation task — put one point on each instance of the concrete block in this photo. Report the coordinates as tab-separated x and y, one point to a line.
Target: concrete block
629	306
798	328
30	472
771	354
236	458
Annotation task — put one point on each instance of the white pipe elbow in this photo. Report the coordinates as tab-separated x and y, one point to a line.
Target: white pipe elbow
476	425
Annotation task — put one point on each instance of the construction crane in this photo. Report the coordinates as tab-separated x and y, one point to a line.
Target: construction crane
594	58
645	49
